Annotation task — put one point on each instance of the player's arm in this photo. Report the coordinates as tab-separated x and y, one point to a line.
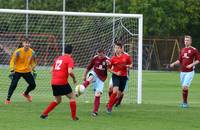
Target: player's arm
130	66
71	74
175	63
130	63
33	64
116	73
88	68
197	58
33	61
85	74
192	64
109	66
110	69
13	60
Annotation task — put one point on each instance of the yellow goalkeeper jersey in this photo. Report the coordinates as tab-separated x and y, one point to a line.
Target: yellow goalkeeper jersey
23	61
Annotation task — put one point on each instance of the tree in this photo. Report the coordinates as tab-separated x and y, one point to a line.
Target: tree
162	18
166	18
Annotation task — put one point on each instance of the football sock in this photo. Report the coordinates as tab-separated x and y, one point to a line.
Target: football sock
116	100
96	103
51	106
73	109
109	93
119	100
112	100
86	83
185	95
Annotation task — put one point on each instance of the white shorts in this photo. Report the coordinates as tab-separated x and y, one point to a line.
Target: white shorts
97	83
111	84
186	78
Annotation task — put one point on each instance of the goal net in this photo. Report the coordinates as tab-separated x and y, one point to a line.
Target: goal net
48	31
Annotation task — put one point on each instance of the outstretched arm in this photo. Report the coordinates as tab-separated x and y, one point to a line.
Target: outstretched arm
85	74
174	63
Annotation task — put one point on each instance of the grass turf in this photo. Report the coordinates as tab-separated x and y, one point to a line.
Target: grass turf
159	111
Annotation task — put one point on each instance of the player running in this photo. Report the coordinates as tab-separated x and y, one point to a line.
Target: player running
118	64
62	68
110	88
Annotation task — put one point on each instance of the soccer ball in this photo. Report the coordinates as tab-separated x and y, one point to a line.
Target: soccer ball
80	89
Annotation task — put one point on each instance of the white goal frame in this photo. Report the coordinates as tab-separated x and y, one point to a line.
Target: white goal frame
140	33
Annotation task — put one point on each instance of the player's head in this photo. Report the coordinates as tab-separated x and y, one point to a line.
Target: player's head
25	43
187	40
68	49
101	53
119	47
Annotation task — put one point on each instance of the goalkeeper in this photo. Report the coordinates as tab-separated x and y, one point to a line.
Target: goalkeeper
22	63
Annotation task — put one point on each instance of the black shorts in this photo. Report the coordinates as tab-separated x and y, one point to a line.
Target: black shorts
119	81
59	90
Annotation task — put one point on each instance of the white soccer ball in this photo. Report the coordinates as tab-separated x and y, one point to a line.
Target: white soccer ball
80	89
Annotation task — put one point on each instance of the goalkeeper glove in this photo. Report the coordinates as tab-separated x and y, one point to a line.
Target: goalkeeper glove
11	75
34	73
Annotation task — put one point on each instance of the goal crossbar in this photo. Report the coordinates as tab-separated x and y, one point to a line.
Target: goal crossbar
69	13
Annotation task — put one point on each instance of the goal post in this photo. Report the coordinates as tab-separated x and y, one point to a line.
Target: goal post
85	31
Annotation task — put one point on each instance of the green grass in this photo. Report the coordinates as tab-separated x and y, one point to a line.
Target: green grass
159	111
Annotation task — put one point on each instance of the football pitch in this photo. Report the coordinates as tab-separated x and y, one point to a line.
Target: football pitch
159	110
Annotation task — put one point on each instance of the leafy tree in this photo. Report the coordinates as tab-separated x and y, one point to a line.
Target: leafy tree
162	18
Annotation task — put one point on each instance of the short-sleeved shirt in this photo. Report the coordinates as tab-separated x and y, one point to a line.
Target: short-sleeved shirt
119	63
99	67
187	56
60	70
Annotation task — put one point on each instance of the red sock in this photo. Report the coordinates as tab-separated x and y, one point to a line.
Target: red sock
116	100
96	104
109	93
120	99
86	83
185	95
112	100
73	109
51	106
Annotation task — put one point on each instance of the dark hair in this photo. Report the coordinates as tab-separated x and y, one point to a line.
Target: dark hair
101	50
68	48
188	36
119	43
25	39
